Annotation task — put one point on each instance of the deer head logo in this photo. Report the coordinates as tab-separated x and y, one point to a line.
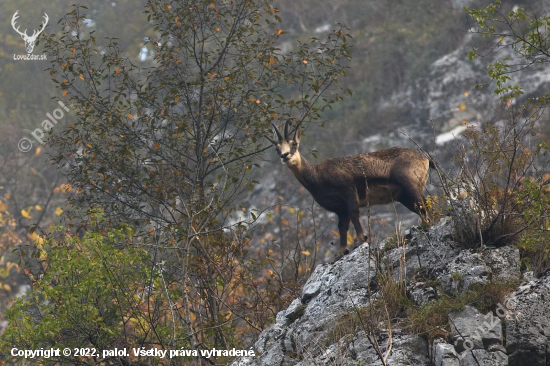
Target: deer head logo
29	41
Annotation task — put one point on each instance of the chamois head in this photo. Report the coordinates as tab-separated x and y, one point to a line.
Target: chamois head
287	148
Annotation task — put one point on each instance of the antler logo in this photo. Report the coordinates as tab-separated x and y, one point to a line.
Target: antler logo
29	41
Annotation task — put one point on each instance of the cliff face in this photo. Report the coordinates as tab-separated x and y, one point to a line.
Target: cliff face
310	331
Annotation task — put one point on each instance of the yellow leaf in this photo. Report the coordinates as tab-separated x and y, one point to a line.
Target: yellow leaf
37	239
7	196
177	99
66	187
306	252
38	150
462	106
25	214
7	287
466	93
58	211
38	207
3	206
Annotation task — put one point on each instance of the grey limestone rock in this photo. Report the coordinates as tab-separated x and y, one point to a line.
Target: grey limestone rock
473	330
528	324
444	354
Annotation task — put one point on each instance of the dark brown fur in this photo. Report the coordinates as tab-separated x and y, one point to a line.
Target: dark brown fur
342	185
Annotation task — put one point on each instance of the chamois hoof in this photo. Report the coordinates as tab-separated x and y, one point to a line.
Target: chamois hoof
340	254
359	240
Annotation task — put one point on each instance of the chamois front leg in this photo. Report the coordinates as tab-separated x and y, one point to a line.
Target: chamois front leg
343	226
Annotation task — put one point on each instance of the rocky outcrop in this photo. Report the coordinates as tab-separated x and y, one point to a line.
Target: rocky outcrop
528	323
308	332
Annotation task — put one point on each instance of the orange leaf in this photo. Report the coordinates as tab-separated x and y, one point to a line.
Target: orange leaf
64	93
157	145
81	76
118	71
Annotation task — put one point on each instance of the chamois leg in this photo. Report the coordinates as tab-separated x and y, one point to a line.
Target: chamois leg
343	227
361	236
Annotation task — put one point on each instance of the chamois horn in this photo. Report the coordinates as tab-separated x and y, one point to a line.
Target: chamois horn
286	127
279	136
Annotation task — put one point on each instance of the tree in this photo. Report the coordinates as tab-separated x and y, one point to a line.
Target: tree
169	149
91	292
520	30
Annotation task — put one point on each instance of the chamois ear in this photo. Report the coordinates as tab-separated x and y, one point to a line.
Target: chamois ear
297	134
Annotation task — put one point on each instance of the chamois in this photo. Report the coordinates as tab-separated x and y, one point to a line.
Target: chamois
342	185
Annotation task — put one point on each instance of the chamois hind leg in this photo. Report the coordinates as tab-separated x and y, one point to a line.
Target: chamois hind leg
361	236
343	226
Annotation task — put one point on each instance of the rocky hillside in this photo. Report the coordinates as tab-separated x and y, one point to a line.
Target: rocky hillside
316	330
